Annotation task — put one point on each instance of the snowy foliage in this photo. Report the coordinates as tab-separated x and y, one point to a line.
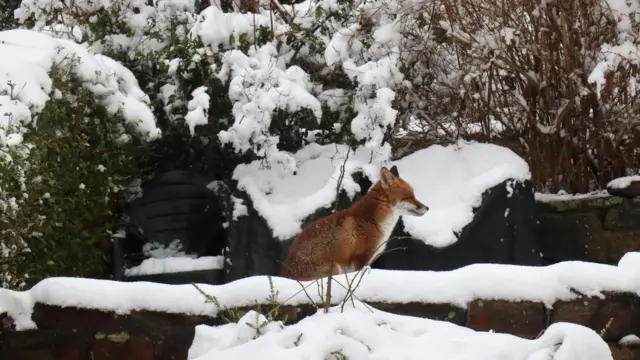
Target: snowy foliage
54	96
554	81
263	63
131	27
351	72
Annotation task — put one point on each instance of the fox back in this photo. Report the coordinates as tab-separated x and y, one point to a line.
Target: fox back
360	233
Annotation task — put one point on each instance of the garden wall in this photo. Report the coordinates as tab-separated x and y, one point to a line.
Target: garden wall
596	229
81	334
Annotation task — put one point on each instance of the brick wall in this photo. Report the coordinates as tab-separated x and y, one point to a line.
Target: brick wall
591	229
81	334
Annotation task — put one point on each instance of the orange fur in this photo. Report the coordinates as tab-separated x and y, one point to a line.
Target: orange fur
361	231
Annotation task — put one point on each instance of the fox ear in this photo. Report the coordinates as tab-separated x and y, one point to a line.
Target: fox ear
394	171
386	177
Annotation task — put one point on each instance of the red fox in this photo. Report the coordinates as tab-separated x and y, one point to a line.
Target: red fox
361	231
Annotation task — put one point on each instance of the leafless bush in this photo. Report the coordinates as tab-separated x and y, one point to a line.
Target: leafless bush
525	74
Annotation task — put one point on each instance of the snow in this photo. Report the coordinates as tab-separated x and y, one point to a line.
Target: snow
564	196
175	264
284	200
623	182
625	49
137	22
630	261
562	281
450	180
198	109
629	340
258	86
27	58
161	251
162	259
360	333
259	81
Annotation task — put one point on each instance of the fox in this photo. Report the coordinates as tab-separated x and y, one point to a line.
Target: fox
361	231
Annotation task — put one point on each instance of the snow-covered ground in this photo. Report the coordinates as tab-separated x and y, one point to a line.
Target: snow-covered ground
448	179
361	333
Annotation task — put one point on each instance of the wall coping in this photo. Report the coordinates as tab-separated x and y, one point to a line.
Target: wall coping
563	281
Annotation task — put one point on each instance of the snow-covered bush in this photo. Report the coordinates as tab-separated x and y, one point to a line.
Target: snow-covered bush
261	85
69	122
553	80
6	13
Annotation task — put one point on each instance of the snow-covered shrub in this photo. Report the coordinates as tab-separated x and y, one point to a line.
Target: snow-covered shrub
6	13
260	85
69	124
553	80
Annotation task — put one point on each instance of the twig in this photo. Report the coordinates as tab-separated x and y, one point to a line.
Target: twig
333	232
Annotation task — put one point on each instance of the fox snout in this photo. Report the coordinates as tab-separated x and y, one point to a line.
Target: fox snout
419	209
412	207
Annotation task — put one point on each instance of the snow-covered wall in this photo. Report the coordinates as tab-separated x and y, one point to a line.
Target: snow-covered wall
77	318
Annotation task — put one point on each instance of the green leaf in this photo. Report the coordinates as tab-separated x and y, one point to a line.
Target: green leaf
232	40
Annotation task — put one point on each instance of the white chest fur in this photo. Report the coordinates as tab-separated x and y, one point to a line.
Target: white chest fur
386	227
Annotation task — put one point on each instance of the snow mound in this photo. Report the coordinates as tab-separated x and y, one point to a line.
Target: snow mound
27	58
562	281
448	179
175	264
622	182
631	261
359	333
284	199
629	340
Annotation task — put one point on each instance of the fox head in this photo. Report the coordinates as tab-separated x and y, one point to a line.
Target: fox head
400	193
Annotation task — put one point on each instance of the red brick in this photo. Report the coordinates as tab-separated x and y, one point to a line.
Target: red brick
140	349
621	242
6	322
625	217
71	318
525	319
443	312
110	347
620	311
27	354
66	353
624	353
